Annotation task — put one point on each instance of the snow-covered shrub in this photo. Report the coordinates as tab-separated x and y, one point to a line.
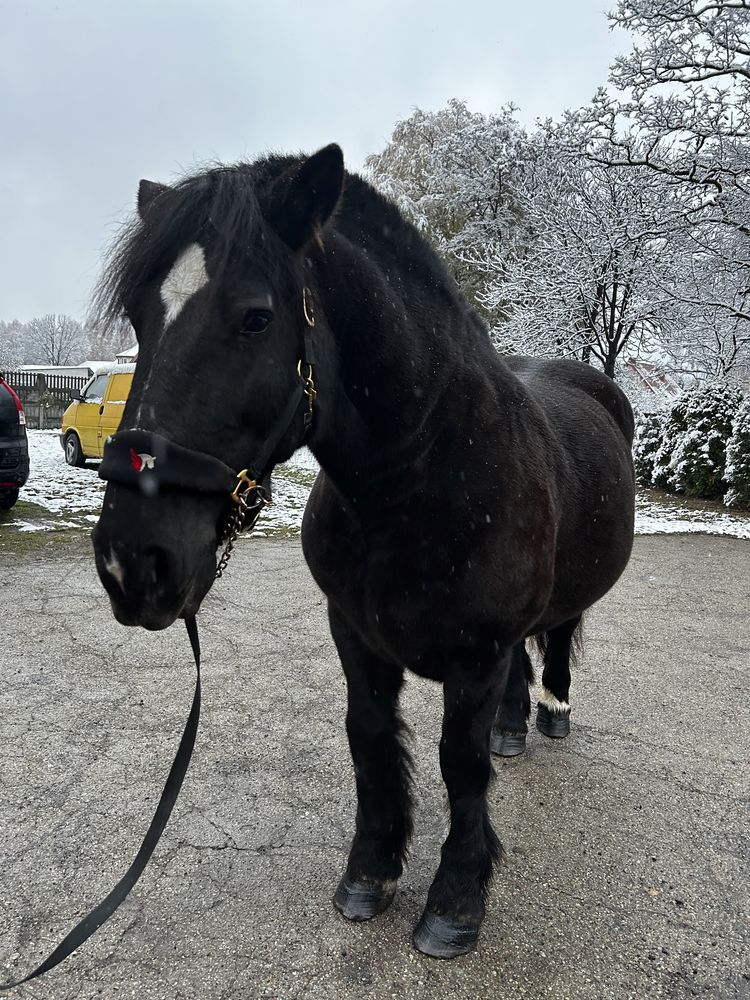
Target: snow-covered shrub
698	456
737	473
673	427
649	430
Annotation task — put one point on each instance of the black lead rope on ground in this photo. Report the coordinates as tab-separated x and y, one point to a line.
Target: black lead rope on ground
83	930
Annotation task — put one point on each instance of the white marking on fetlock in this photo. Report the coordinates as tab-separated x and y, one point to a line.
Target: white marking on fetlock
188	276
553	704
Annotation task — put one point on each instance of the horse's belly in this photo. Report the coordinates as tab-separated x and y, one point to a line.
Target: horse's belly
415	597
592	549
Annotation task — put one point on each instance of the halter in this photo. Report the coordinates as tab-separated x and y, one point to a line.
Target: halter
151	463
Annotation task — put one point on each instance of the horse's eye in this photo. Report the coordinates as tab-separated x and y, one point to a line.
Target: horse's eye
255	321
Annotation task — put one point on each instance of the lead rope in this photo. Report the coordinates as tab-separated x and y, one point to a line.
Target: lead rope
243	516
249	503
91	923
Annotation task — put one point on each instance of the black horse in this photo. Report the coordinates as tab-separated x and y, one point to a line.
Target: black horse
466	503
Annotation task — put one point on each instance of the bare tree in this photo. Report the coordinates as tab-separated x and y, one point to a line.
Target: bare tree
683	113
57	339
106	340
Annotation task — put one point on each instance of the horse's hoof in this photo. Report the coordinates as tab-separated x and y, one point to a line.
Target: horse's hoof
556	725
359	900
507	744
442	937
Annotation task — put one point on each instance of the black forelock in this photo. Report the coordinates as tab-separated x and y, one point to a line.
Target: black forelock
220	207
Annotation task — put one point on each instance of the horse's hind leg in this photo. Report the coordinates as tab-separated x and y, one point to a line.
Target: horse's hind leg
511	721
382	771
553	708
455	907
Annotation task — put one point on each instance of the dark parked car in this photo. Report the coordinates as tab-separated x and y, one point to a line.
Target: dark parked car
14	447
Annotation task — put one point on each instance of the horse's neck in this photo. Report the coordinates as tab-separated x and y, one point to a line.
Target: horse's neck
402	370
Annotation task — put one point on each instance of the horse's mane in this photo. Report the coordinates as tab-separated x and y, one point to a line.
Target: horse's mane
219	204
223	204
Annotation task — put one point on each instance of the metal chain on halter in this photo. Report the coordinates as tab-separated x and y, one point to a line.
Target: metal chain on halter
243	517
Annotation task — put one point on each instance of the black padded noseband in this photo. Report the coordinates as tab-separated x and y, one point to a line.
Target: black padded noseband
146	461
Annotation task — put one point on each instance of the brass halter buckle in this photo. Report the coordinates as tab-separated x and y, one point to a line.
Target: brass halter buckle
243	487
309	388
310	391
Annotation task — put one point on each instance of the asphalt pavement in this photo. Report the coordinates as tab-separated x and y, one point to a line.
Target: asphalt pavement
627	872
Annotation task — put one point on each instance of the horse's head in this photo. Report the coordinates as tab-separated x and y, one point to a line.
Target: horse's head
213	277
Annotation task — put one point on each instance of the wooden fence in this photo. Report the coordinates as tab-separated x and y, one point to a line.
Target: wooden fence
44	397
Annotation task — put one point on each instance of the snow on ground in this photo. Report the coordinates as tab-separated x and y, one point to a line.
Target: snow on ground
659	513
72	498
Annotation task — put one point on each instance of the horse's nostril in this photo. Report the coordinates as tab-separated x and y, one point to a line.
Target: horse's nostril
156	565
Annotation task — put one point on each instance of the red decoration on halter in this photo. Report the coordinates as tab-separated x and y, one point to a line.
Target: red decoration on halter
141	461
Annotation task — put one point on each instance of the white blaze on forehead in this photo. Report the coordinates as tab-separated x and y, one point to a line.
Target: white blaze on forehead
188	276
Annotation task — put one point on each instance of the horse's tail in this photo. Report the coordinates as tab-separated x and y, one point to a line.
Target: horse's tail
543	639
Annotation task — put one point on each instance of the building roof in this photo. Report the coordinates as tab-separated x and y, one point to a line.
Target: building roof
652	377
130	352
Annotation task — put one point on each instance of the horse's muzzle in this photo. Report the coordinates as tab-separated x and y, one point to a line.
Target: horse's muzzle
155	564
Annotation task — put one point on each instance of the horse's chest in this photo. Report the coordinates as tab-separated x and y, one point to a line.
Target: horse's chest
389	593
410	621
411	603
406	610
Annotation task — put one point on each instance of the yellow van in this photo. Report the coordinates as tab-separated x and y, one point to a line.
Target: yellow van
95	413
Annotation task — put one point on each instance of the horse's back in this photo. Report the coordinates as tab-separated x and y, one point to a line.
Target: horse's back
563	379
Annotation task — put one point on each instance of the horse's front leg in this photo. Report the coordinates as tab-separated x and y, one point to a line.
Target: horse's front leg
382	771
455	907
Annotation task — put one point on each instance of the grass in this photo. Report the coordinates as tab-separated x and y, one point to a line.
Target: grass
47	535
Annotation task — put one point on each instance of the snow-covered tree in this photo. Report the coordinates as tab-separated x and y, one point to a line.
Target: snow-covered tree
12	344
737	472
673	427
706	340
105	341
683	114
686	87
649	431
692	456
455	174
625	224
56	339
581	278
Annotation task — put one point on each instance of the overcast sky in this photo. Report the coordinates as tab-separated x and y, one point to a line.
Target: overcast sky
95	94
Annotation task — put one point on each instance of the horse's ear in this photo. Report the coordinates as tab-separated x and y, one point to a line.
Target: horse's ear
147	191
306	197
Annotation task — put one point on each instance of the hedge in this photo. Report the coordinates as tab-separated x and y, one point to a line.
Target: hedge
700	447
